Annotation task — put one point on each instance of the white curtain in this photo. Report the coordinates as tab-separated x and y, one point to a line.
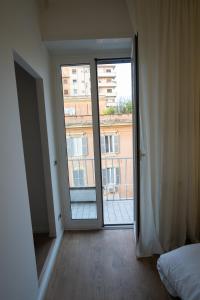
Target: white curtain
169	74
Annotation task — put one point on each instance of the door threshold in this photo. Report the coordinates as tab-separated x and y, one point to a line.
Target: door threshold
118	227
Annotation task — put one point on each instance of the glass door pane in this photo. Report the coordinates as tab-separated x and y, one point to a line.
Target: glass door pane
116	132
79	140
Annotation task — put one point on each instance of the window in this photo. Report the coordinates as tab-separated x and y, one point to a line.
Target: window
79	178
110	143
108	80
75	85
111	176
109	90
65	81
66	92
73	71
108	70
75	91
77	146
70	111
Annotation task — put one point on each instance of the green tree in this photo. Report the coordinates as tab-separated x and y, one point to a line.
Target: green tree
123	108
109	111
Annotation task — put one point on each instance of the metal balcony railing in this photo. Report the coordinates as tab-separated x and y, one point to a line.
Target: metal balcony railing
117	178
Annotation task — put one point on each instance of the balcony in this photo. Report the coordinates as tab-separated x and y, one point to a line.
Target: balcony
113	83
107	94
117	189
103	74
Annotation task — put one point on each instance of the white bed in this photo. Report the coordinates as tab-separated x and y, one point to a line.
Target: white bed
180	272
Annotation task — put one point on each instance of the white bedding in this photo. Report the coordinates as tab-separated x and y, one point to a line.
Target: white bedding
180	272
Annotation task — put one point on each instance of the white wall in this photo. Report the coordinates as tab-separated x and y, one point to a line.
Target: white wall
19	31
78	19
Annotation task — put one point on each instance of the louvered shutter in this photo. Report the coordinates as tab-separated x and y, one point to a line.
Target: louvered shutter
79	178
116	143
117	175
76	177
70	148
84	145
103	145
104	179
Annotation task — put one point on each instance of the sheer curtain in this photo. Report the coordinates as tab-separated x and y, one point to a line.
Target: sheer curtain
169	66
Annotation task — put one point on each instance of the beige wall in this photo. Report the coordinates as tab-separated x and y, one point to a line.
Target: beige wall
77	19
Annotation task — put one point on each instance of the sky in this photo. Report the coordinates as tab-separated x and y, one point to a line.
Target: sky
123	78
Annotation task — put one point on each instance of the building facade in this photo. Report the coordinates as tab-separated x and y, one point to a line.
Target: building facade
115	131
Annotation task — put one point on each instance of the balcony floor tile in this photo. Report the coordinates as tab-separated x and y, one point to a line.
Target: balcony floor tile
115	211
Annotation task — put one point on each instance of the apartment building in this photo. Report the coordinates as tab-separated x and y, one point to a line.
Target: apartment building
107	83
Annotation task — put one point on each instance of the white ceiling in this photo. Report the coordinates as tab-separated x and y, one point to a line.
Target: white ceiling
89	46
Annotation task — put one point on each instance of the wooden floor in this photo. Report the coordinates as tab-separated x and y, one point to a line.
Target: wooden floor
42	244
101	265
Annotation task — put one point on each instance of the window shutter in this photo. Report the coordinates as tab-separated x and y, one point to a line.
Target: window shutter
103	146
117	175
104	181
70	151
116	143
84	145
76	178
81	178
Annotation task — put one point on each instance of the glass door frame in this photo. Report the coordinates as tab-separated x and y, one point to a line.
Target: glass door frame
70	223
118	60
61	164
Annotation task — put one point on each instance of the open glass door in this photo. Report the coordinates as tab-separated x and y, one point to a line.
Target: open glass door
79	132
116	133
98	120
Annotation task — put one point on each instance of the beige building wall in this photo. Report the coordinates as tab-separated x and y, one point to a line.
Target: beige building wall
82	106
122	160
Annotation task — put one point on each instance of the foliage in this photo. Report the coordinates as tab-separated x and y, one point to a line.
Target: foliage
122	108
110	111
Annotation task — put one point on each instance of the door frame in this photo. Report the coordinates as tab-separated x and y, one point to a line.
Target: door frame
70	223
136	137
89	59
44	140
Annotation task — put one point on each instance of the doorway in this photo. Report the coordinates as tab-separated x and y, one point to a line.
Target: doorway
35	167
98	126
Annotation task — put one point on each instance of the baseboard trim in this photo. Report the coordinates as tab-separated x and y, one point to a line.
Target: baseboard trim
48	267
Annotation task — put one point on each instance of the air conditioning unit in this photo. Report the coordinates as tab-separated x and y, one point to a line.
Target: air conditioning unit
112	188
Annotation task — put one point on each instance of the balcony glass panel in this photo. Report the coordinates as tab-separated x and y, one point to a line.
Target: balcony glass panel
79	141
116	128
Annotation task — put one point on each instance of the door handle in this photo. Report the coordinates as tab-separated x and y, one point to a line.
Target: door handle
142	154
